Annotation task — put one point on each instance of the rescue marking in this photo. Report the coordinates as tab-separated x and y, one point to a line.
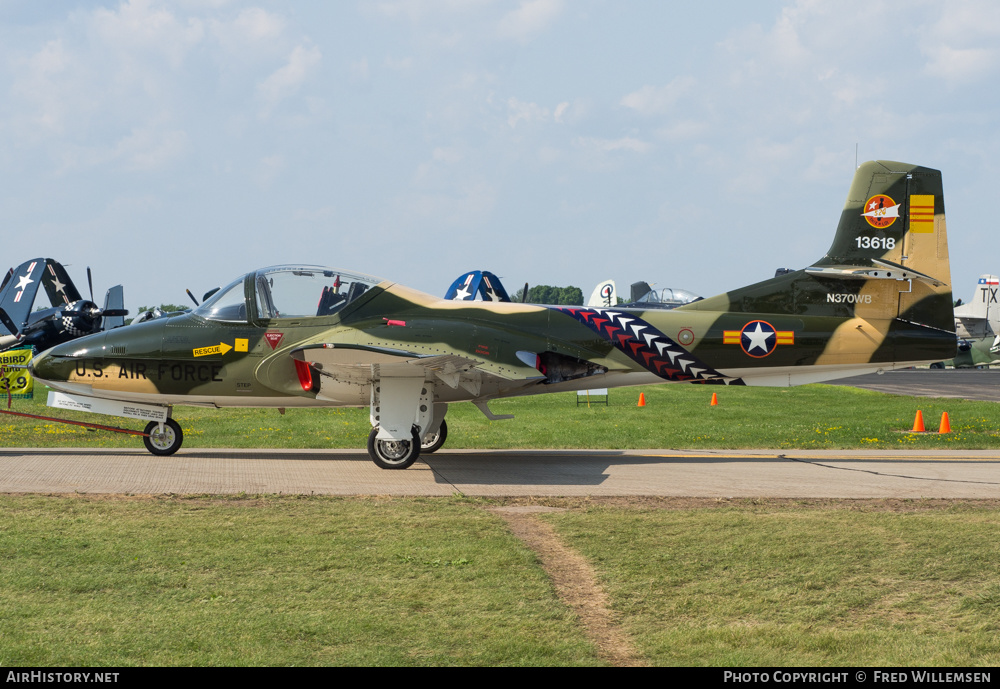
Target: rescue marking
220	348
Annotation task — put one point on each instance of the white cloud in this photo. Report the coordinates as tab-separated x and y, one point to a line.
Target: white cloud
359	70
626	143
137	26
684	130
403	64
519	111
658	100
467	206
43	84
960	64
151	148
530	18
268	169
253	31
285	82
417	10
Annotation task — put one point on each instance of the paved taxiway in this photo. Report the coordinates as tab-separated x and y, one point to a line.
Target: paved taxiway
970	384
689	473
719	473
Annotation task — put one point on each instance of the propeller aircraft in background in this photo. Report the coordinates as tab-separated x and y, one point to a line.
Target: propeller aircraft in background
70	316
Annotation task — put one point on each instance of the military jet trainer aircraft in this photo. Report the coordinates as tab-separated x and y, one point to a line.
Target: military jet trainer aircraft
71	316
298	336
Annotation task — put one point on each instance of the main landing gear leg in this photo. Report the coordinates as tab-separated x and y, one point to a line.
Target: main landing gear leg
400	407
437	432
405	421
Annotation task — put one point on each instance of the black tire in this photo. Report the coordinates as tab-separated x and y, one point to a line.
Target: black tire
167	443
433	441
393	454
939	364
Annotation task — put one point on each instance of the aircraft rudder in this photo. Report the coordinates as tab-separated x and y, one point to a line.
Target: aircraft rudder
605	295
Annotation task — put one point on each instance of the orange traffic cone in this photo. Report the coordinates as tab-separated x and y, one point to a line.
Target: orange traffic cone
918	423
715	400
642	399
945	424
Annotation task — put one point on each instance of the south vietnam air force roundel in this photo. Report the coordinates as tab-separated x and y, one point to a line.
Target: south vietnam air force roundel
758	338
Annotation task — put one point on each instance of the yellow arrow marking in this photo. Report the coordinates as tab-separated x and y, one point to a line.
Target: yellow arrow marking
220	348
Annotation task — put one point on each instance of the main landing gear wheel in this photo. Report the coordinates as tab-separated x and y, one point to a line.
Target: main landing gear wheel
165	443
434	441
393	454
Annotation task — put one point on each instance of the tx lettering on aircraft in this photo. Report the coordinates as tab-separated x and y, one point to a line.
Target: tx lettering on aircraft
407	356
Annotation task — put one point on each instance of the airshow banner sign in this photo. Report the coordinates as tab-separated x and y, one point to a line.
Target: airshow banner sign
14	379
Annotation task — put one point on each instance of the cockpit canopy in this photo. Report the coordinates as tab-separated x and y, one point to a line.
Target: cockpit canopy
668	295
286	292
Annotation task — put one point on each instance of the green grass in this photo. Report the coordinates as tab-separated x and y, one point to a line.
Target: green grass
812	416
777	586
272	581
269	580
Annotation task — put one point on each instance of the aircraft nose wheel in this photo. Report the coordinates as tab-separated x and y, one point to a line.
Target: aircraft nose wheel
165	443
393	454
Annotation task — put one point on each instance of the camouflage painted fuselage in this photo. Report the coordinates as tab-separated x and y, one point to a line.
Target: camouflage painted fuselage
879	299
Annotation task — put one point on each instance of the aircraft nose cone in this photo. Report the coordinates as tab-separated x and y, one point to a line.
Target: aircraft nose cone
42	367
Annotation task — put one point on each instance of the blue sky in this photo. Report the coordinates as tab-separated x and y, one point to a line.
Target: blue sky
174	145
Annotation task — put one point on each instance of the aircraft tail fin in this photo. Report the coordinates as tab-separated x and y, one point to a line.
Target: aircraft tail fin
114	308
985	304
605	295
638	290
18	294
886	275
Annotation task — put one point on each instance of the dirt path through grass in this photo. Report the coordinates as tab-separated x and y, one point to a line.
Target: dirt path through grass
575	583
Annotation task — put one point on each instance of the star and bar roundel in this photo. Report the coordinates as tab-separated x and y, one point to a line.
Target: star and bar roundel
646	345
758	338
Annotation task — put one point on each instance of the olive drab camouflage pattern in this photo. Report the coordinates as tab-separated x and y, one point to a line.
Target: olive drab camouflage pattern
289	336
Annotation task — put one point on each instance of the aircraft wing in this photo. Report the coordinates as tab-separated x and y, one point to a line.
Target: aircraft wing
58	286
481	282
465	287
363	364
